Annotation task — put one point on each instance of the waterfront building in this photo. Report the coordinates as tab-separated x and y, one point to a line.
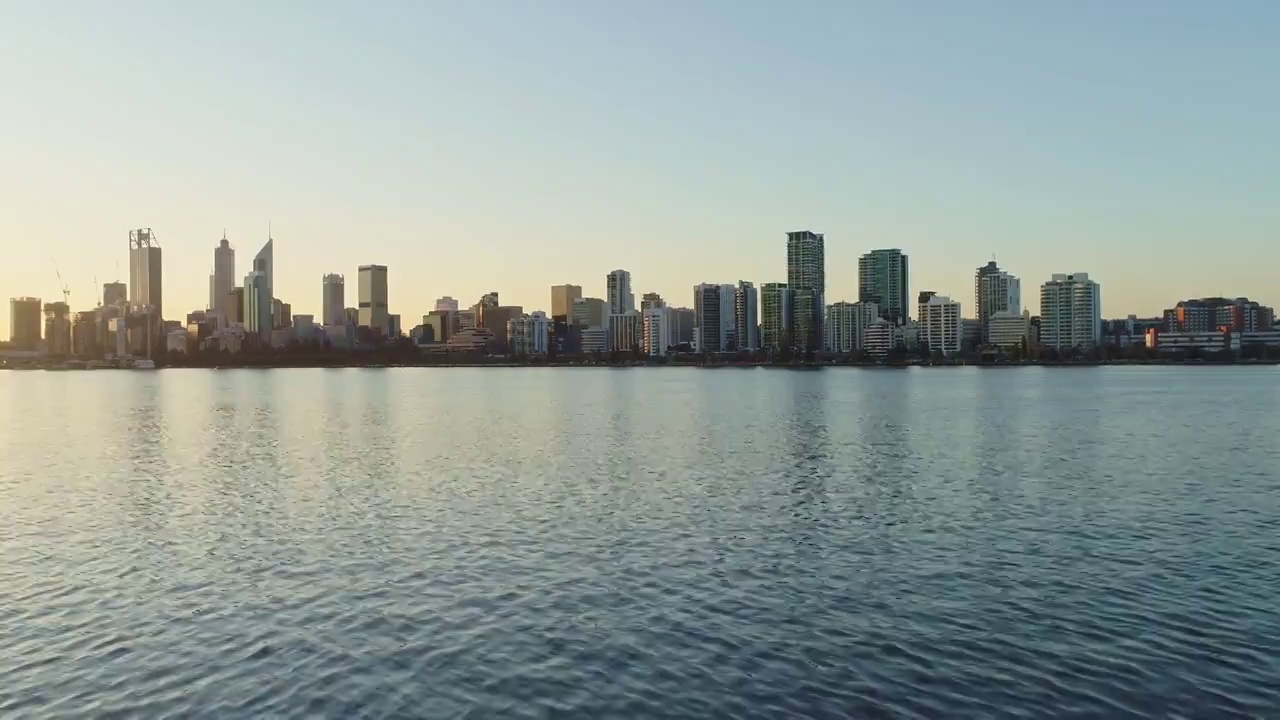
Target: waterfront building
85	335
146	278
594	340
304	328
619	296
333	299
879	337
683	323
590	312
1212	341
657	331
57	328
175	341
562	299
844	324
340	336
1070	311
995	291
473	339
1212	313
442	324
652	300
24	322
626	331
223	280
713	307
941	327
464	319
1007	330
372	299
776	300
746	308
1131	330
807	279
258	320
529	334
235	306
883	280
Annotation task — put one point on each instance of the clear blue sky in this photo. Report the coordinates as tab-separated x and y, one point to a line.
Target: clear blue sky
492	145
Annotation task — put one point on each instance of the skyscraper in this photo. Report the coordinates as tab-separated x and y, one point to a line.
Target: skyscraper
775	316
334	300
619	292
258	308
652	300
1070	311
807	278
995	291
562	297
224	277
24	322
713	307
746	308
657	330
373	298
264	262
883	280
146	280
57	328
447	303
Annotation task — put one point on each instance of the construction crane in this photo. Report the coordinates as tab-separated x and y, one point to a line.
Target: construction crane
66	291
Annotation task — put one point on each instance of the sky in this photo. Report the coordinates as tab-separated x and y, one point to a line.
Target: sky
512	145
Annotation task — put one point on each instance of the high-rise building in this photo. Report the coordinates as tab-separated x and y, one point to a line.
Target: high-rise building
373	299
562	297
941	327
746	308
776	301
807	278
1070	311
146	279
626	331
844	325
224	277
258	308
657	331
590	312
494	318
883	280
24	322
333	299
447	303
619	295
683	323
264	262
57	328
713	307
529	334
235	306
115	293
652	300
995	291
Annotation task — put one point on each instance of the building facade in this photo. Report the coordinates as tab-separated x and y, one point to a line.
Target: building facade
713	307
529	334
24	322
447	303
333	299
562	298
652	300
619	296
372	299
146	277
746	309
776	301
995	291
258	307
590	312
941	326
883	279
1007	330
1204	315
626	331
807	279
657	331
1070	311
224	277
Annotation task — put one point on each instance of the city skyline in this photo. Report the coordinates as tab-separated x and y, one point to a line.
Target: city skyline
1004	141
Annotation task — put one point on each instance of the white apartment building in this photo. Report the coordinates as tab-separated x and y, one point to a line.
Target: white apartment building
844	323
879	337
657	331
620	298
1006	329
1070	311
941	327
529	334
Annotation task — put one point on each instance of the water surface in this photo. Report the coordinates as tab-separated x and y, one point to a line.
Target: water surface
596	543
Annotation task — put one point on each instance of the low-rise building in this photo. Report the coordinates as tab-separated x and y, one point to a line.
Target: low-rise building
626	331
594	340
1212	341
1008	330
879	338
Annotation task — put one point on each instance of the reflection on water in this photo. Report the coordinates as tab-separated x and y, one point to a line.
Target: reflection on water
591	543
